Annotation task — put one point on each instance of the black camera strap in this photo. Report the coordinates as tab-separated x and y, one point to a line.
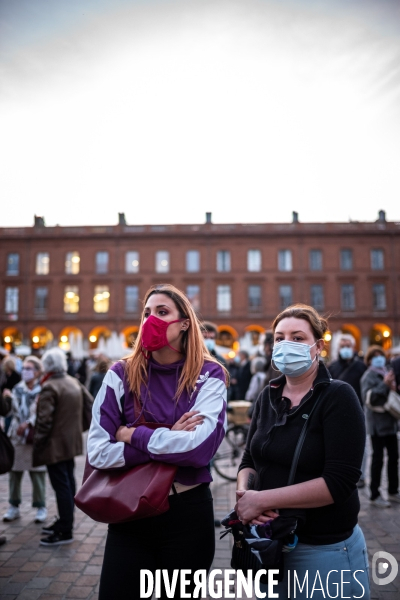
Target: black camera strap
300	441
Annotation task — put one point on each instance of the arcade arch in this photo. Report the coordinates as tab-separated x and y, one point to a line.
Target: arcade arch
11	336
381	334
227	336
255	332
130	334
98	333
41	337
69	337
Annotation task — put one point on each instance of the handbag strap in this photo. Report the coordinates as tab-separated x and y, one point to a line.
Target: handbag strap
344	372
300	442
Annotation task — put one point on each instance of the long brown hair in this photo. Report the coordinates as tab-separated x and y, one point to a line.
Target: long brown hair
193	346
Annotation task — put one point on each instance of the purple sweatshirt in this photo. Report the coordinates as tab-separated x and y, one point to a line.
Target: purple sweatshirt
191	451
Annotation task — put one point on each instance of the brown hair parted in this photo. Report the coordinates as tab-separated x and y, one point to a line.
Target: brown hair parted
318	324
193	346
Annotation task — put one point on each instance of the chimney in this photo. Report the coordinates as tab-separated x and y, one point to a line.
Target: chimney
295	217
39	222
121	219
208	217
381	216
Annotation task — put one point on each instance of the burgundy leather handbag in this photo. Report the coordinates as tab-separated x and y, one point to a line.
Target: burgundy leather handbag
115	496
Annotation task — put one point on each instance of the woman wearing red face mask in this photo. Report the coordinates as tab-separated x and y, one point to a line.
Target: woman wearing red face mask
177	383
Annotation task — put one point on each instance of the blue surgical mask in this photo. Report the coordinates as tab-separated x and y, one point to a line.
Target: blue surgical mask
346	353
292	358
210	344
27	374
378	362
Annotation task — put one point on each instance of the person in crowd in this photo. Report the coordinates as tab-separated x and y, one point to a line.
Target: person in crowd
378	380
71	366
10	374
179	383
5	407
325	485
96	379
348	367
210	334
17	359
81	372
23	416
395	364
58	439
233	370
257	382
10	378
270	371
244	373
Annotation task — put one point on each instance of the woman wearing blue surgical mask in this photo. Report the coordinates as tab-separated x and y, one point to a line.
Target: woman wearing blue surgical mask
381	426
324	496
23	408
348	366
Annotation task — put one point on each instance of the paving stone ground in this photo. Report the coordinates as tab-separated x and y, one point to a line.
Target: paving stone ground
30	572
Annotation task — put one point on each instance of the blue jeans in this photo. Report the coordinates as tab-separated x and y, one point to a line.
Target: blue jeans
326	567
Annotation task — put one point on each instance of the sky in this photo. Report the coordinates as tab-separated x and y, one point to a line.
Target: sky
167	109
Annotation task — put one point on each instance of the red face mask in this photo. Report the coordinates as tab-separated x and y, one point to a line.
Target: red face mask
154	334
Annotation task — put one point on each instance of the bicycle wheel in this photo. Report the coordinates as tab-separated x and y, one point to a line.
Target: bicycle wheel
229	455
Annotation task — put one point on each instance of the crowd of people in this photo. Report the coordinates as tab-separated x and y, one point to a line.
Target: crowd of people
46	404
183	386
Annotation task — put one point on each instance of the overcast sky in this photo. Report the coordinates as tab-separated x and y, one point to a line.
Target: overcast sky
166	109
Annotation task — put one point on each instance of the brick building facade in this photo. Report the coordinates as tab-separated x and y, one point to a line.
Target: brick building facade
89	280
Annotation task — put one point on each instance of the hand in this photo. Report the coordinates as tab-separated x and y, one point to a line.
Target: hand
239	494
250	507
7	393
390	380
22	428
188	421
124	434
268	515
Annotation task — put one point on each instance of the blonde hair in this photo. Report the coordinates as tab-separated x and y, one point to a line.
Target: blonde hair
9	363
37	363
193	346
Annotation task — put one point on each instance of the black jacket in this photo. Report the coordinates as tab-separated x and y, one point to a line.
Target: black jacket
244	378
218	357
10	381
379	424
95	383
350	371
395	364
333	449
